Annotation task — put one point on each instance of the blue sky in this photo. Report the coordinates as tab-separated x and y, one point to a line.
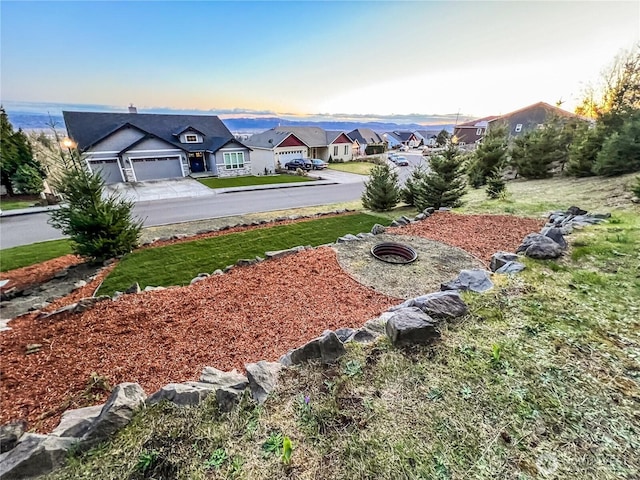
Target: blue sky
299	58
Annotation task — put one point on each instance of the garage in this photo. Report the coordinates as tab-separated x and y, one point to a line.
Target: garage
108	170
157	168
284	157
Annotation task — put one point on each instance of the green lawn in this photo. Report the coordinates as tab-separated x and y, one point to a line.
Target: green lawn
25	255
248	181
178	264
361	168
15	204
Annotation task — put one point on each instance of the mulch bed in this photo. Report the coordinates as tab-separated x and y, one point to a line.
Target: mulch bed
249	314
21	278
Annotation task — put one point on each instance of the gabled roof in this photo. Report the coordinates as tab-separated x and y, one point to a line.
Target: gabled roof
402	135
540	105
88	128
428	133
269	139
480	122
180	131
311	136
365	136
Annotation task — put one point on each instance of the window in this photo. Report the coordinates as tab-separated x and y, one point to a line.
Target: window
346	149
479	131
233	160
191	138
335	150
518	128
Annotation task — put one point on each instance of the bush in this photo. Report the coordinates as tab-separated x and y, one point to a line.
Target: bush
444	185
374	149
28	179
381	191
620	152
99	228
496	186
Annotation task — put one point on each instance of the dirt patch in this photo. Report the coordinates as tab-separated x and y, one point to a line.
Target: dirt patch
437	263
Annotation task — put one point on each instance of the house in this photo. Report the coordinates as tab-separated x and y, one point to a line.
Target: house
472	132
274	148
323	144
427	138
396	138
134	147
365	137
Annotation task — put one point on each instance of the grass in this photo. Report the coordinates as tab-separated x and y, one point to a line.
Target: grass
15	204
249	181
539	380
177	264
25	255
361	168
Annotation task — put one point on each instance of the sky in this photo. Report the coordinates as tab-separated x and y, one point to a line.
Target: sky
363	59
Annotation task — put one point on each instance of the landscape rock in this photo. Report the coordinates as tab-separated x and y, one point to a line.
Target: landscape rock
221	379
473	280
576	211
79	284
429	211
538	246
327	348
420	216
228	398
347	238
511	267
135	288
263	377
364	235
283	253
183	394
243	262
344	333
217	271
554	234
75	423
364	335
377	229
498	259
199	278
402	221
395	224
116	413
378	324
62	273
150	288
446	305
10	433
411	326
88	302
35	455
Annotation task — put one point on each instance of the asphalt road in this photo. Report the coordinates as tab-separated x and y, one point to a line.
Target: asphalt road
26	229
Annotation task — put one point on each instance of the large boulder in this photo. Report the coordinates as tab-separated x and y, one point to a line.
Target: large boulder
35	455
540	247
124	400
228	398
511	267
183	394
377	229
10	433
378	324
75	423
327	348
554	234
473	280
445	305
498	259
263	378
221	379
411	326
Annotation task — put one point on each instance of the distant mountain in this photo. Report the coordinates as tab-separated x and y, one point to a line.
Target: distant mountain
41	121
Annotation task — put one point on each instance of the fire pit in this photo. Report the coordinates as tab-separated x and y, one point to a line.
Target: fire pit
391	252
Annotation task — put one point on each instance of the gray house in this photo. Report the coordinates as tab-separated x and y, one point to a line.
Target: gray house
134	147
365	137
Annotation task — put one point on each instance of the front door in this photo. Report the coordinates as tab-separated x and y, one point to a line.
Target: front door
196	162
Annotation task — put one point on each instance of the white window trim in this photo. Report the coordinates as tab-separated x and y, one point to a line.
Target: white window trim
90	159
479	131
231	166
518	128
196	136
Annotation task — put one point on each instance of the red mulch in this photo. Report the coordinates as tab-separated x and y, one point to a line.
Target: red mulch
480	235
249	314
21	278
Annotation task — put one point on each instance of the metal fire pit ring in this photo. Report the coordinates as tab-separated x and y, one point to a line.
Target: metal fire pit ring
396	253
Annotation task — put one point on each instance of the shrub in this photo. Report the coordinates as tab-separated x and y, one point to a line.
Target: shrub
99	227
28	179
496	186
381	191
444	185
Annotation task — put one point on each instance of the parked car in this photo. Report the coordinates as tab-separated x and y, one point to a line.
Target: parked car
400	160
403	148
303	163
318	164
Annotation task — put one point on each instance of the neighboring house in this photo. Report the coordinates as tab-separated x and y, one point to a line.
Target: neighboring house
134	147
427	138
322	144
364	137
472	132
397	138
276	148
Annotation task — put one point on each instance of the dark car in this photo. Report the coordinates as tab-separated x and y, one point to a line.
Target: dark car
318	164
303	163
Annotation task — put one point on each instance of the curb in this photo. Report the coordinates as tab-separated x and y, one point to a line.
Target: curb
28	211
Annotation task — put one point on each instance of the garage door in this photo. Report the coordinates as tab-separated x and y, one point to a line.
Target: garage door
157	168
108	169
285	157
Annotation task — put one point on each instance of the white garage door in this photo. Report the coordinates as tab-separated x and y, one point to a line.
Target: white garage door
157	168
108	170
284	157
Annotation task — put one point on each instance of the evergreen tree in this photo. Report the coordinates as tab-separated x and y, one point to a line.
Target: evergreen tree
636	188
100	227
489	157
381	191
584	150
408	193
496	186
444	185
620	152
443	138
27	180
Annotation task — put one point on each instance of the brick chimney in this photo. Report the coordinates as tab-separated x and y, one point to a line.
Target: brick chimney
132	109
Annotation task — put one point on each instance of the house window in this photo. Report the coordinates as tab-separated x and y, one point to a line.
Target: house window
335	150
346	149
518	128
479	131
191	138
233	160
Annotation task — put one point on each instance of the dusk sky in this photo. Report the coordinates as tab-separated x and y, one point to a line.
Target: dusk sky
298	58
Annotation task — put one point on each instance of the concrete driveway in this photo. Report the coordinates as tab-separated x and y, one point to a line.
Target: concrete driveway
160	189
337	176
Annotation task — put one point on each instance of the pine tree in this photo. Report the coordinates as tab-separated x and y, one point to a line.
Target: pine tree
584	150
381	191
489	157
445	185
496	186
408	192
620	152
